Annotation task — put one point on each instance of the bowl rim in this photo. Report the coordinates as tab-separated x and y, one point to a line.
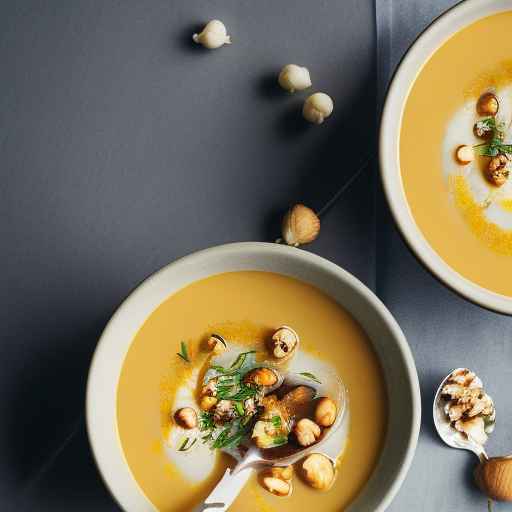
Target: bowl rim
105	443
428	41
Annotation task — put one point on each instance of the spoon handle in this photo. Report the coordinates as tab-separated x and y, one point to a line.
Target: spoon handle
226	491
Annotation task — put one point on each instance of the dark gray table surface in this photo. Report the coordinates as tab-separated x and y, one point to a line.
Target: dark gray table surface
123	147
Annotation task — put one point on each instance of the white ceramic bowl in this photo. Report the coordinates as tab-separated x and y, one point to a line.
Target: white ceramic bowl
428	42
387	338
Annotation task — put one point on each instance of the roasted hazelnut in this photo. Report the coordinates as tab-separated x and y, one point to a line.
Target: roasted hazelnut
301	225
261	377
325	412
186	417
318	471
277	486
465	377
497	172
487	104
285	340
464	154
216	344
307	432
207	402
494	477
224	411
460	393
284	473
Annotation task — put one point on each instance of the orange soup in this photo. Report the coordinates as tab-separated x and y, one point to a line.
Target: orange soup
243	308
463	207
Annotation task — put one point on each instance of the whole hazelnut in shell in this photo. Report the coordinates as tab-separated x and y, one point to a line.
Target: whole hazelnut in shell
494	477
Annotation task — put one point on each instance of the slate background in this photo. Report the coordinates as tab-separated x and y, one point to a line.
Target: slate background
123	146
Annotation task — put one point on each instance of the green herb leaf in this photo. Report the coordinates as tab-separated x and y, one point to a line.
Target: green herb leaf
311	377
184	352
206	421
240	360
276	421
221	438
184	446
239	408
243	394
279	440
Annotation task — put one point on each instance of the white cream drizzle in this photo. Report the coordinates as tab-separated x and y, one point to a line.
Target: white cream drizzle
198	463
459	130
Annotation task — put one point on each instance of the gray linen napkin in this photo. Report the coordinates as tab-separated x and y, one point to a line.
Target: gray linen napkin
444	330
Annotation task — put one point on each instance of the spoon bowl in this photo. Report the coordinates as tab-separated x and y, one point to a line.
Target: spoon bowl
331	445
450	435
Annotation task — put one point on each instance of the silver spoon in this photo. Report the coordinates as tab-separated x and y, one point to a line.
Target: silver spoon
450	435
332	444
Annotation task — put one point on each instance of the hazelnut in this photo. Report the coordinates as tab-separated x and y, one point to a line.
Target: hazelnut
284	473
317	108
464	154
487	104
224	411
294	78
482	130
460	393
277	486
261	377
285	340
318	471
207	402
214	35
300	225
307	432
494	477
186	417
216	344
497	172
473	428
465	377
325	412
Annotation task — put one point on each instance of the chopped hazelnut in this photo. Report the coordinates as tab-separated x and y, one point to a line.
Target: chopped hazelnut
224	411
186	417
307	432
207	402
474	429
461	393
482	130
261	377
465	377
277	486
325	412
318	471
497	171
464	154
285	340
487	104
456	411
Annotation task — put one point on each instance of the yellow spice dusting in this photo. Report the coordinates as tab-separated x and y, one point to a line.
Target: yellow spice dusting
494	78
497	239
506	204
